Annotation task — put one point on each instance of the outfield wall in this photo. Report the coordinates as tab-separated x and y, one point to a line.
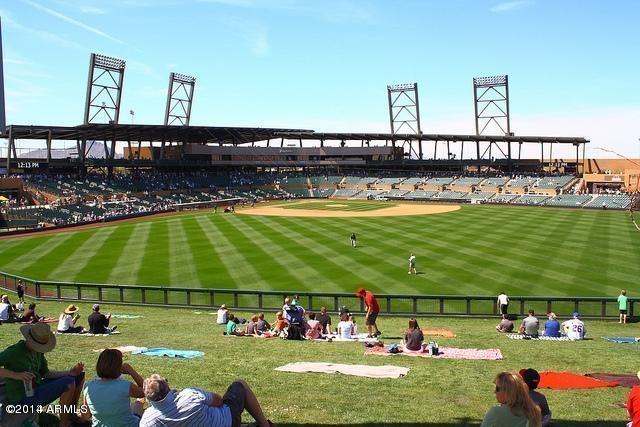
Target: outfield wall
271	301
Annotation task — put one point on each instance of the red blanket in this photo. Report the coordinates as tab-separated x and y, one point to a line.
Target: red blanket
568	381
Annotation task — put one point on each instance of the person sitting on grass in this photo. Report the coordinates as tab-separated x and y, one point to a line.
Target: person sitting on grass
222	315
280	323
574	328
262	326
68	319
25	367
345	327
232	326
354	331
551	326
30	315
530	325
252	326
196	407
313	328
98	322
413	337
325	320
505	324
532	378
7	312
107	396
516	408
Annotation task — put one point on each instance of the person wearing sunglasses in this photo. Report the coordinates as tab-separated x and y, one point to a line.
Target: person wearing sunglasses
516	408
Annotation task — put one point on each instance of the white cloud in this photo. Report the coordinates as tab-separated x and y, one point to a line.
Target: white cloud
72	21
510	5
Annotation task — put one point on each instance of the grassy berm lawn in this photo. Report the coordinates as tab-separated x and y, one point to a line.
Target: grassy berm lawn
434	393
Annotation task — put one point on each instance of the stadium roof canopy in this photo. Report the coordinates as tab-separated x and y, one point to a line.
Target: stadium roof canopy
152	133
241	135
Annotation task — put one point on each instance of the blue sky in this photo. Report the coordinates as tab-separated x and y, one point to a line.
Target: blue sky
324	65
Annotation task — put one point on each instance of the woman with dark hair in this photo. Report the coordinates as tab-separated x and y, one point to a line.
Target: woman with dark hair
413	336
516	408
107	396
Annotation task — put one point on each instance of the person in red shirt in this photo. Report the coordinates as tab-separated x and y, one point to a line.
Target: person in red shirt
372	311
633	405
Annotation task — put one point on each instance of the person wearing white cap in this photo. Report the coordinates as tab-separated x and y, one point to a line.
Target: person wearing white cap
27	376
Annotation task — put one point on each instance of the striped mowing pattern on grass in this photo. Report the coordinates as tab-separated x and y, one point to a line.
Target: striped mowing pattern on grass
478	250
339	206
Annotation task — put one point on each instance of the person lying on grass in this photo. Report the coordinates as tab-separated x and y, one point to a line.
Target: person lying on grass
107	397
28	378
196	407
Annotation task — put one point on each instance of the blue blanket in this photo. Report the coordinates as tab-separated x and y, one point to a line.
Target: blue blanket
168	352
622	340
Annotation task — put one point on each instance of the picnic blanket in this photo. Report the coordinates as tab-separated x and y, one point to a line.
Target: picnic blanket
87	334
445	353
540	338
438	332
569	381
125	316
625	380
622	340
168	352
368	371
123	349
354	338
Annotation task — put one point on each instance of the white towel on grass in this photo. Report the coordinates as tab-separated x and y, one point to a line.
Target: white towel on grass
387	371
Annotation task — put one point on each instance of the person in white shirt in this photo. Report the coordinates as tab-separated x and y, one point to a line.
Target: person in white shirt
222	315
574	328
503	303
345	327
412	264
68	319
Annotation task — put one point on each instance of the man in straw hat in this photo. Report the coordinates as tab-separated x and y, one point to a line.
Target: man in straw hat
28	378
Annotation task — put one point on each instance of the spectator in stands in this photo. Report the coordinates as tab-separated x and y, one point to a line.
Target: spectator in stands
574	328
263	326
20	289
252	326
7	313
516	408
30	315
622	305
98	322
532	378
505	324
196	407
280	323
25	363
107	396
345	327
232	325
503	303
68	319
413	337
222	315
530	325
551	326
325	320
313	328
373	309
633	405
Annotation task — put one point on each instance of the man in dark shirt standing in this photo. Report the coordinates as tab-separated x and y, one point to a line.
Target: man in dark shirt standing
98	322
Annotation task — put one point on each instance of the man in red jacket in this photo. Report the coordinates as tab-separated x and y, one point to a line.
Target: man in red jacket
372	312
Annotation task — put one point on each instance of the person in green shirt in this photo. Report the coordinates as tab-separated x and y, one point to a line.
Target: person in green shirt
516	408
232	325
622	305
28	378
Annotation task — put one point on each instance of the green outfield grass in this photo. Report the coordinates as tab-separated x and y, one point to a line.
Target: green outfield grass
434	393
477	250
340	206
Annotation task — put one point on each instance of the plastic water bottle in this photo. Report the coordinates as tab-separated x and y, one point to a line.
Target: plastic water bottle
28	388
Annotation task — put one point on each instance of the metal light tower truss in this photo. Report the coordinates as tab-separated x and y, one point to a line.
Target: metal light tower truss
104	89
404	111
491	105
179	99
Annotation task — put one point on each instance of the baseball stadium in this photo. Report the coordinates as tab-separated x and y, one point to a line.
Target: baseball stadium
194	237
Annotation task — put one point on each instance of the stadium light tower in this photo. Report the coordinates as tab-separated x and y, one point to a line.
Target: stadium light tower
404	112
491	105
179	99
104	88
